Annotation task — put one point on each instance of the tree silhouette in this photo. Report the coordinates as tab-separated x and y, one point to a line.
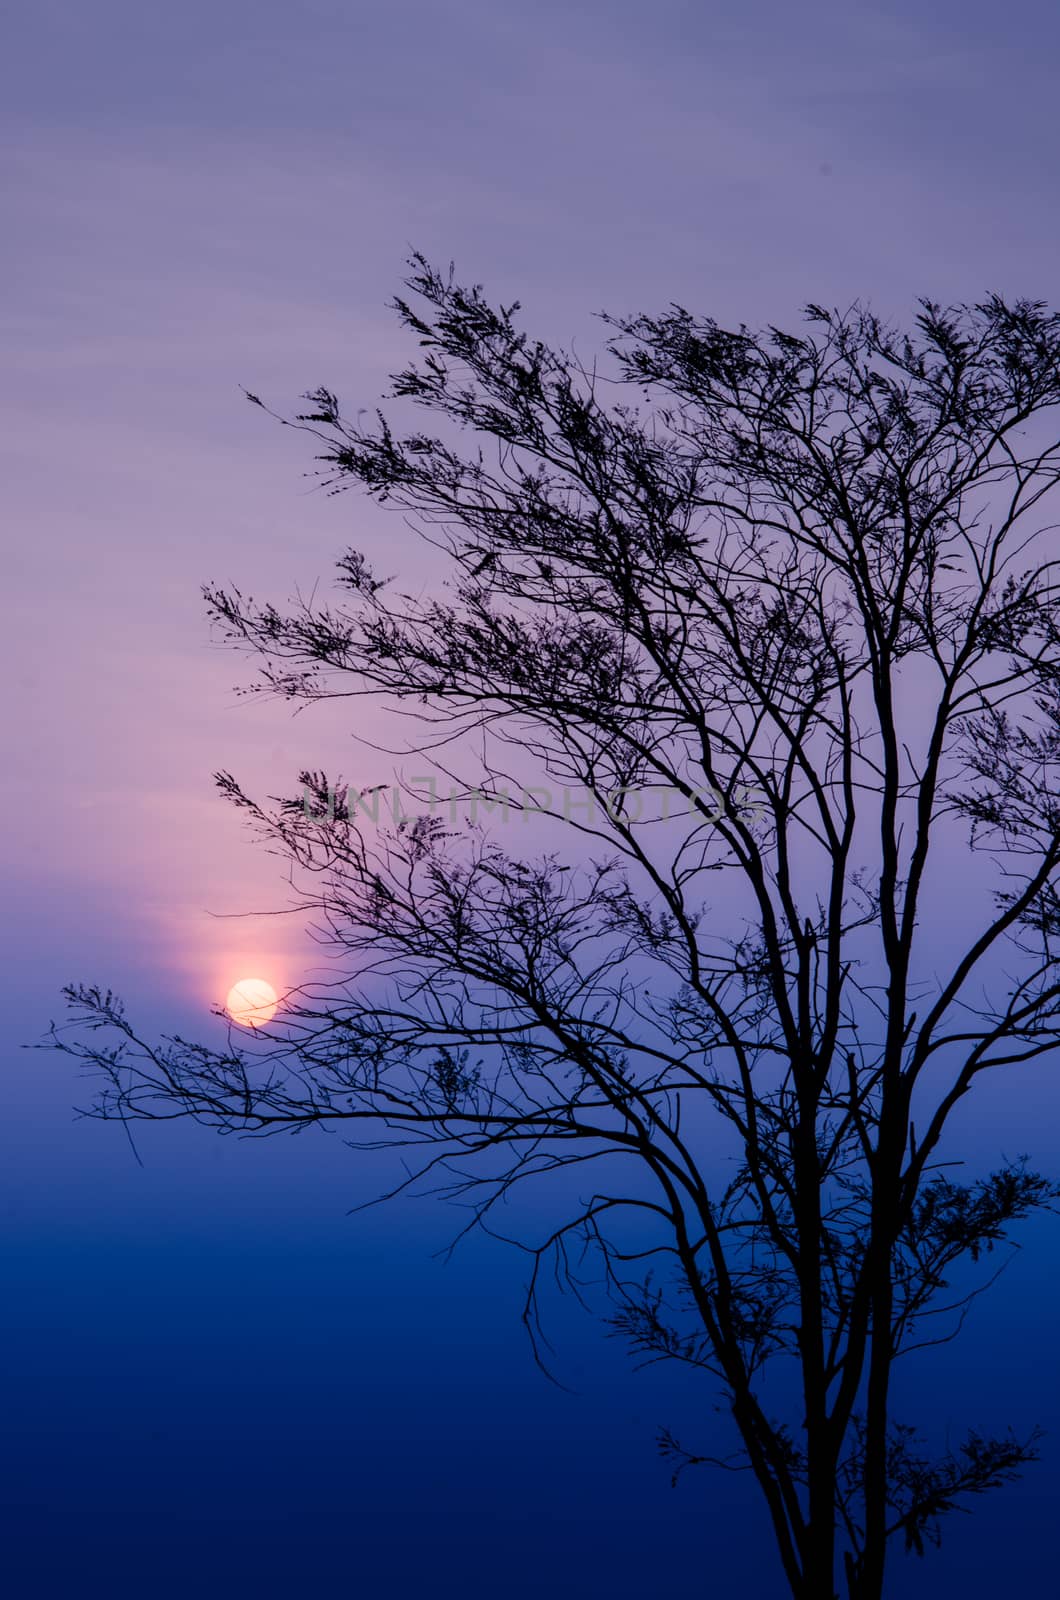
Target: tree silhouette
790	623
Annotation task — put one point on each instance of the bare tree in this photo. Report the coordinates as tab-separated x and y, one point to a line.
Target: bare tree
793	624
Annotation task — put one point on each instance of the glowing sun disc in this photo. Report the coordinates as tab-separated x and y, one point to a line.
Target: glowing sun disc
252	1002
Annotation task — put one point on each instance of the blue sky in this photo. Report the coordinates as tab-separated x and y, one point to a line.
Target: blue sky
199	197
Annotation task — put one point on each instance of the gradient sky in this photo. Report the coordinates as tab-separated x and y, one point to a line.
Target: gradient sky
199	197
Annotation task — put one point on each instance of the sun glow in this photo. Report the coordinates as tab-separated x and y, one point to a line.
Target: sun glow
251	1002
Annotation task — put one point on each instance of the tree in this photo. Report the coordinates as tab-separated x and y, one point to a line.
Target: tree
794	624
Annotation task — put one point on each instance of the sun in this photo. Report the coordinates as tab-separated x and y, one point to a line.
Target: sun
251	1002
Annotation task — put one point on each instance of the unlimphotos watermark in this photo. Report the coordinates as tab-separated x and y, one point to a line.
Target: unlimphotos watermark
630	804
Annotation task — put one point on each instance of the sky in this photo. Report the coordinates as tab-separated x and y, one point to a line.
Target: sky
215	1374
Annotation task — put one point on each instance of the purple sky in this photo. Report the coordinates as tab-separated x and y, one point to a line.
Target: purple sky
199	197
